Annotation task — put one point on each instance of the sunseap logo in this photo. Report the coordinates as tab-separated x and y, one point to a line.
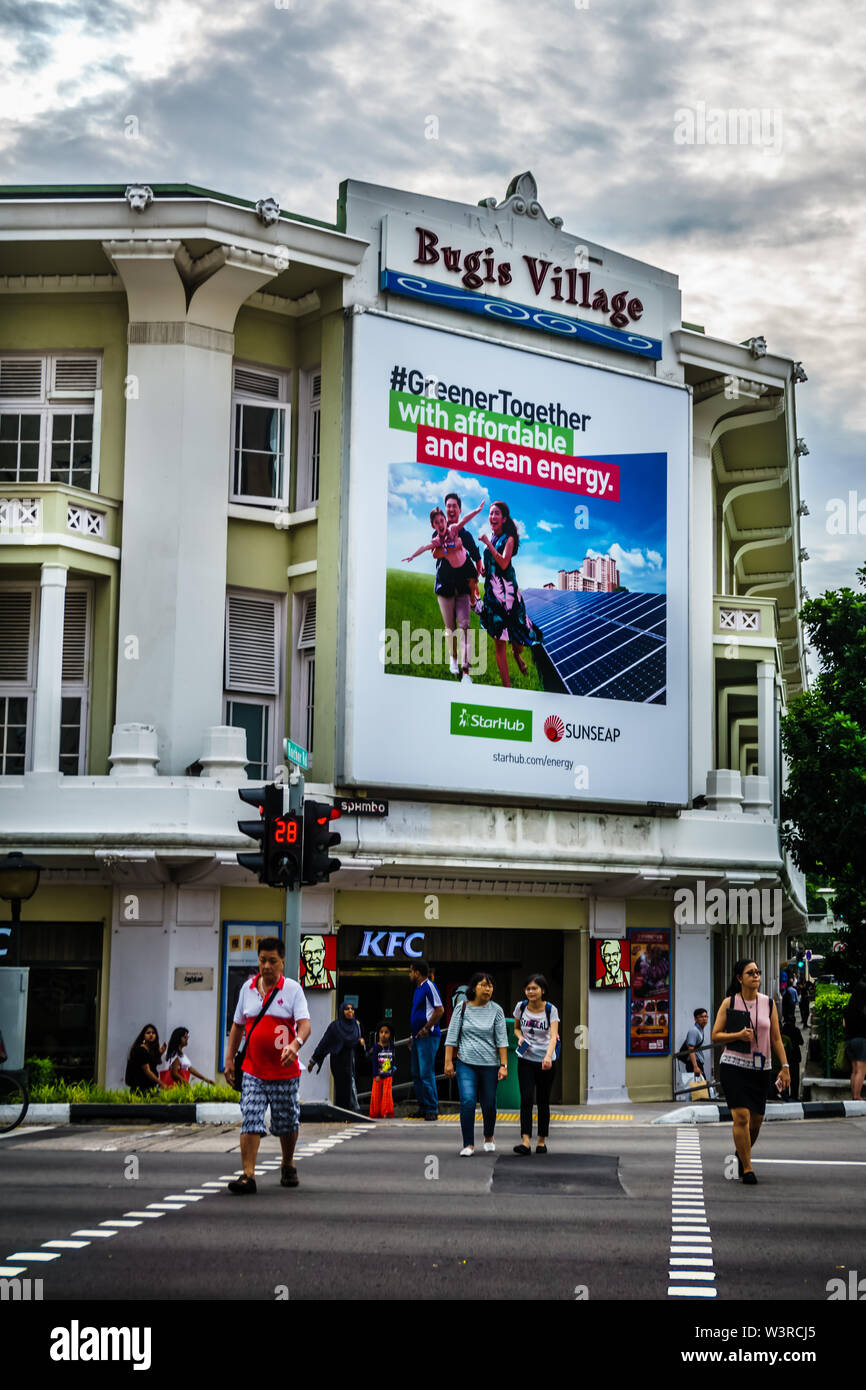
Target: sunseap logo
488	721
556	728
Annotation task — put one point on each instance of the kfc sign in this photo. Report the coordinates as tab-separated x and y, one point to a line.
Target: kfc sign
382	943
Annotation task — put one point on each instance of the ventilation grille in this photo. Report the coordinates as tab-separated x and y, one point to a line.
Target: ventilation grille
251	646
79	374
21	378
16	610
316	388
75	636
260	384
308	625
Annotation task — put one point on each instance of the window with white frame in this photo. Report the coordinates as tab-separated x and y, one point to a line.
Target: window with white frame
17	674
304	683
260	437
309	438
75	689
252	676
49	419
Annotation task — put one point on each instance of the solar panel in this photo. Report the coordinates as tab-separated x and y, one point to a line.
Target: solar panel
613	646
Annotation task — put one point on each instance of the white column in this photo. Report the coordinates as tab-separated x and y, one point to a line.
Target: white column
701	589
767	724
176	477
49	670
607	1015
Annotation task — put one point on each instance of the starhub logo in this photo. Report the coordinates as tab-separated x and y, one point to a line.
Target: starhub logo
486	721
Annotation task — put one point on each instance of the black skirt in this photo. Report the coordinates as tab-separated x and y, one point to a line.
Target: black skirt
745	1088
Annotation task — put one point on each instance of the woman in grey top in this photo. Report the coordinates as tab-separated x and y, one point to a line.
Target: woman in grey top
478	1037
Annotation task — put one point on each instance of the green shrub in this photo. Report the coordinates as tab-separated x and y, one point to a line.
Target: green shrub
828	1010
40	1071
89	1093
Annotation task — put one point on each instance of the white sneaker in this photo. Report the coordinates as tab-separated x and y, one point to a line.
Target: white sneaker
489	1146
455	666
466	679
466	1153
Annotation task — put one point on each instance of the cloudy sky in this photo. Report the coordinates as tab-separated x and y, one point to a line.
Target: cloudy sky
290	96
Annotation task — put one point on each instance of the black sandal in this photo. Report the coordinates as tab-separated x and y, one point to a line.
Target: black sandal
289	1175
522	1149
541	1148
241	1186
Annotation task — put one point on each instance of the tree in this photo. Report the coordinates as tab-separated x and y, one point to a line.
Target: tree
824	738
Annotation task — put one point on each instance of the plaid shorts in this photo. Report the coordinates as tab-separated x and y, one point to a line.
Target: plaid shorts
281	1096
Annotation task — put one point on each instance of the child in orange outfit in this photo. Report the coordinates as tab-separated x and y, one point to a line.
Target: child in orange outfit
384	1066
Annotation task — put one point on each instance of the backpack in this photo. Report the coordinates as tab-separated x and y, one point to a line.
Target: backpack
548	1007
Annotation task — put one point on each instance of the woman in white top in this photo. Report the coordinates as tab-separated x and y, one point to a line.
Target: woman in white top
745	1066
176	1069
536	1029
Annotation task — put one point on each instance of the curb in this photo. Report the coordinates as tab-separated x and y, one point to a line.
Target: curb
790	1110
205	1113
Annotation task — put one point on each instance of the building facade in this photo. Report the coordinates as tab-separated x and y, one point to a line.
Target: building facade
223	427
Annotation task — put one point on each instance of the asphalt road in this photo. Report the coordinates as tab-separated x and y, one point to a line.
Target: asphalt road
391	1213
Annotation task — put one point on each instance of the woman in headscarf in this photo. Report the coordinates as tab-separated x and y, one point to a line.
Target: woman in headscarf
340	1042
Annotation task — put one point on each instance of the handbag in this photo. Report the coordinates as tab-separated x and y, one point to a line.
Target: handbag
242	1050
459	1030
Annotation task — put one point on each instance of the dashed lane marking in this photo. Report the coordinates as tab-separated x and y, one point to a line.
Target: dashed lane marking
690	1260
173	1201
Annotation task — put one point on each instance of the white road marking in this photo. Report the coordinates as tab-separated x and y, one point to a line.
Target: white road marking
166	1206
34	1255
10	1271
151	1215
690	1259
91	1232
120	1223
181	1197
65	1244
22	1133
817	1162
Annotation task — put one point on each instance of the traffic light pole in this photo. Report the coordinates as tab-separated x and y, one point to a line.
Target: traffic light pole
293	800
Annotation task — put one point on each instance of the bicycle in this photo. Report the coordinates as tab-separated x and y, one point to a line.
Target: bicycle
14	1099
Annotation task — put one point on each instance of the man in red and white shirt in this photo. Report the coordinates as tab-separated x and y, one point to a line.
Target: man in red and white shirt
271	1073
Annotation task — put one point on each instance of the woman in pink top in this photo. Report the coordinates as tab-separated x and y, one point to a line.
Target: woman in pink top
745	1066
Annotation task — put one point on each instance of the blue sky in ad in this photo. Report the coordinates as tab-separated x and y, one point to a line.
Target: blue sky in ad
552	534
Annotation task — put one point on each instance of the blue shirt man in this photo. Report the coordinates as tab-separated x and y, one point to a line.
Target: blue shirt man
427	1009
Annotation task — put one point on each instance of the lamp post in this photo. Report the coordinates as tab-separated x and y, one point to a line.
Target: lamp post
19	879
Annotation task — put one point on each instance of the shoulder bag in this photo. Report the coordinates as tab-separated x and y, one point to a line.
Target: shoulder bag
242	1050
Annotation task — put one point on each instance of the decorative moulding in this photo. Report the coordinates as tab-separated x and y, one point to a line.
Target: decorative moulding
521	197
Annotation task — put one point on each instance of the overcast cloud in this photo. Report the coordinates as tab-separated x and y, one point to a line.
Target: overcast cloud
265	97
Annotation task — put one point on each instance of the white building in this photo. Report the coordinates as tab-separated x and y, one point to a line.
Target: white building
195	543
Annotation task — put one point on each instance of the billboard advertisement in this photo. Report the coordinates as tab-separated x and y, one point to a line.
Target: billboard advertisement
516	587
649	1018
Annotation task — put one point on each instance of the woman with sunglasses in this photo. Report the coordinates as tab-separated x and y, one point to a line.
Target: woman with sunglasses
745	1066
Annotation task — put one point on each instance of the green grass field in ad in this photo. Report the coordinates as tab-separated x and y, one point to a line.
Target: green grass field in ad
421	650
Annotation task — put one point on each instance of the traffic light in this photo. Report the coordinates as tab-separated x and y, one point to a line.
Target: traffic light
319	840
280	834
285	837
263	800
